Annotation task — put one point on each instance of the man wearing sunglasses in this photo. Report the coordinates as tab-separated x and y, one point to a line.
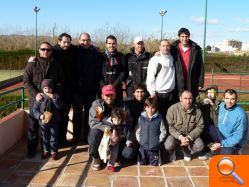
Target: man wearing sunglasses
44	67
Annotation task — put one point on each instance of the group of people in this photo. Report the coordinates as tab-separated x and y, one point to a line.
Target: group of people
161	111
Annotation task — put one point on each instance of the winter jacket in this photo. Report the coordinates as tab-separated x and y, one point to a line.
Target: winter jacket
150	132
187	123
195	76
115	74
52	105
233	125
36	72
137	68
88	68
99	113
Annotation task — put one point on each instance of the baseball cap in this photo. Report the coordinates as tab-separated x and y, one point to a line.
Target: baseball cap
108	90
138	39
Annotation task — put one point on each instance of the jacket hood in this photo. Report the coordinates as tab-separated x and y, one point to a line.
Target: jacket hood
156	114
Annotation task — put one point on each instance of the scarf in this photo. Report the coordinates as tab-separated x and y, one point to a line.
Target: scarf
112	61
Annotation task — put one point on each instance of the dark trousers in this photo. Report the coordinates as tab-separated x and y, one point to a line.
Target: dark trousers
150	157
49	136
80	119
216	136
94	139
165	100
33	130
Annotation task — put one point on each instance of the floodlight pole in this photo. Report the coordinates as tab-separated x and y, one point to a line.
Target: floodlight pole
205	30
162	13
36	9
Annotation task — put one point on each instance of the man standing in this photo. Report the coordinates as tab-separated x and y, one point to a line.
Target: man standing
232	130
114	68
63	53
44	67
88	64
161	78
99	112
185	123
138	60
190	68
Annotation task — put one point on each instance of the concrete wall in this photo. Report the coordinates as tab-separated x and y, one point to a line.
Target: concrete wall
12	128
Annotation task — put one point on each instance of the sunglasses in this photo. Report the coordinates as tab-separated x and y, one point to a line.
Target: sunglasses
45	49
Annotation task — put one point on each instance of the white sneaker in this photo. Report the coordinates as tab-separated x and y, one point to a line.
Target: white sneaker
172	157
187	158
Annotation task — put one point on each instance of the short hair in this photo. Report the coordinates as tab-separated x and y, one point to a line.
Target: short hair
117	113
139	86
165	40
47	44
151	102
85	33
111	37
64	34
183	31
187	91
231	92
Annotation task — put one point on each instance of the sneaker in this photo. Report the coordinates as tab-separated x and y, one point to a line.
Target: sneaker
187	158
204	156
54	156
111	168
45	155
117	164
172	156
96	164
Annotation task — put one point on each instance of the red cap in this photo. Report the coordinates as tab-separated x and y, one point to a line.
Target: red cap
108	90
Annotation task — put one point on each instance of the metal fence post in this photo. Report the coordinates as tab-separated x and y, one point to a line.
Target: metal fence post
22	98
212	76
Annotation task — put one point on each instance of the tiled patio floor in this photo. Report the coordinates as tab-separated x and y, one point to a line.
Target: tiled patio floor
73	169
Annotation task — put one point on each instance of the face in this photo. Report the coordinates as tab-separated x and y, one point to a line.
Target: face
184	39
139	95
165	47
45	50
211	94
230	100
116	121
111	45
85	41
139	47
47	90
108	99
150	111
64	43
186	100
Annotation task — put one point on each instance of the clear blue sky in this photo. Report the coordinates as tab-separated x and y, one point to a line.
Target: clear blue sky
227	19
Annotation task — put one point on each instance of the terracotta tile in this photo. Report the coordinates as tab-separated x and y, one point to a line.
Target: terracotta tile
197	171
201	181
100	180
4	174
20	177
12	185
16	154
51	167
103	171
77	168
44	178
174	164
194	162
207	162
29	166
61	159
80	158
150	171
175	171
152	181
179	182
125	181
8	164
128	171
69	179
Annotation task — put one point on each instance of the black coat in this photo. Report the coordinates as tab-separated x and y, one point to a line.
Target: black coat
36	72
195	76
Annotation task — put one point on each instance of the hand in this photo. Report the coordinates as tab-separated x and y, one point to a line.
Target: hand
157	53
114	137
153	96
42	117
31	59
184	141
129	144
49	95
200	87
215	146
39	97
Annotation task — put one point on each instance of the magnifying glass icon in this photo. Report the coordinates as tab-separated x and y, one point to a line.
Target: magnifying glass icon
226	167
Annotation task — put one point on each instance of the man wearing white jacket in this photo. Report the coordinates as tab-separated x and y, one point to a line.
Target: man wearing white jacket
161	78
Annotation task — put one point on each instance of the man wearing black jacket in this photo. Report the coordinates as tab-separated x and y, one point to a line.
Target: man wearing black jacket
190	67
44	67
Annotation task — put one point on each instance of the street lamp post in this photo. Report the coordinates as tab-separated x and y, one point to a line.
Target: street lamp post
205	30
36	9
162	13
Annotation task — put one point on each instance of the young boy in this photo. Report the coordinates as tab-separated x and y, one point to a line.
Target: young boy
120	131
47	112
150	133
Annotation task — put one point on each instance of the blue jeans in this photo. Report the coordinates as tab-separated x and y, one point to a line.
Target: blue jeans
49	136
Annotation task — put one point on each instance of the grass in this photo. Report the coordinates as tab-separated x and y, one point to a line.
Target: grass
7	74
